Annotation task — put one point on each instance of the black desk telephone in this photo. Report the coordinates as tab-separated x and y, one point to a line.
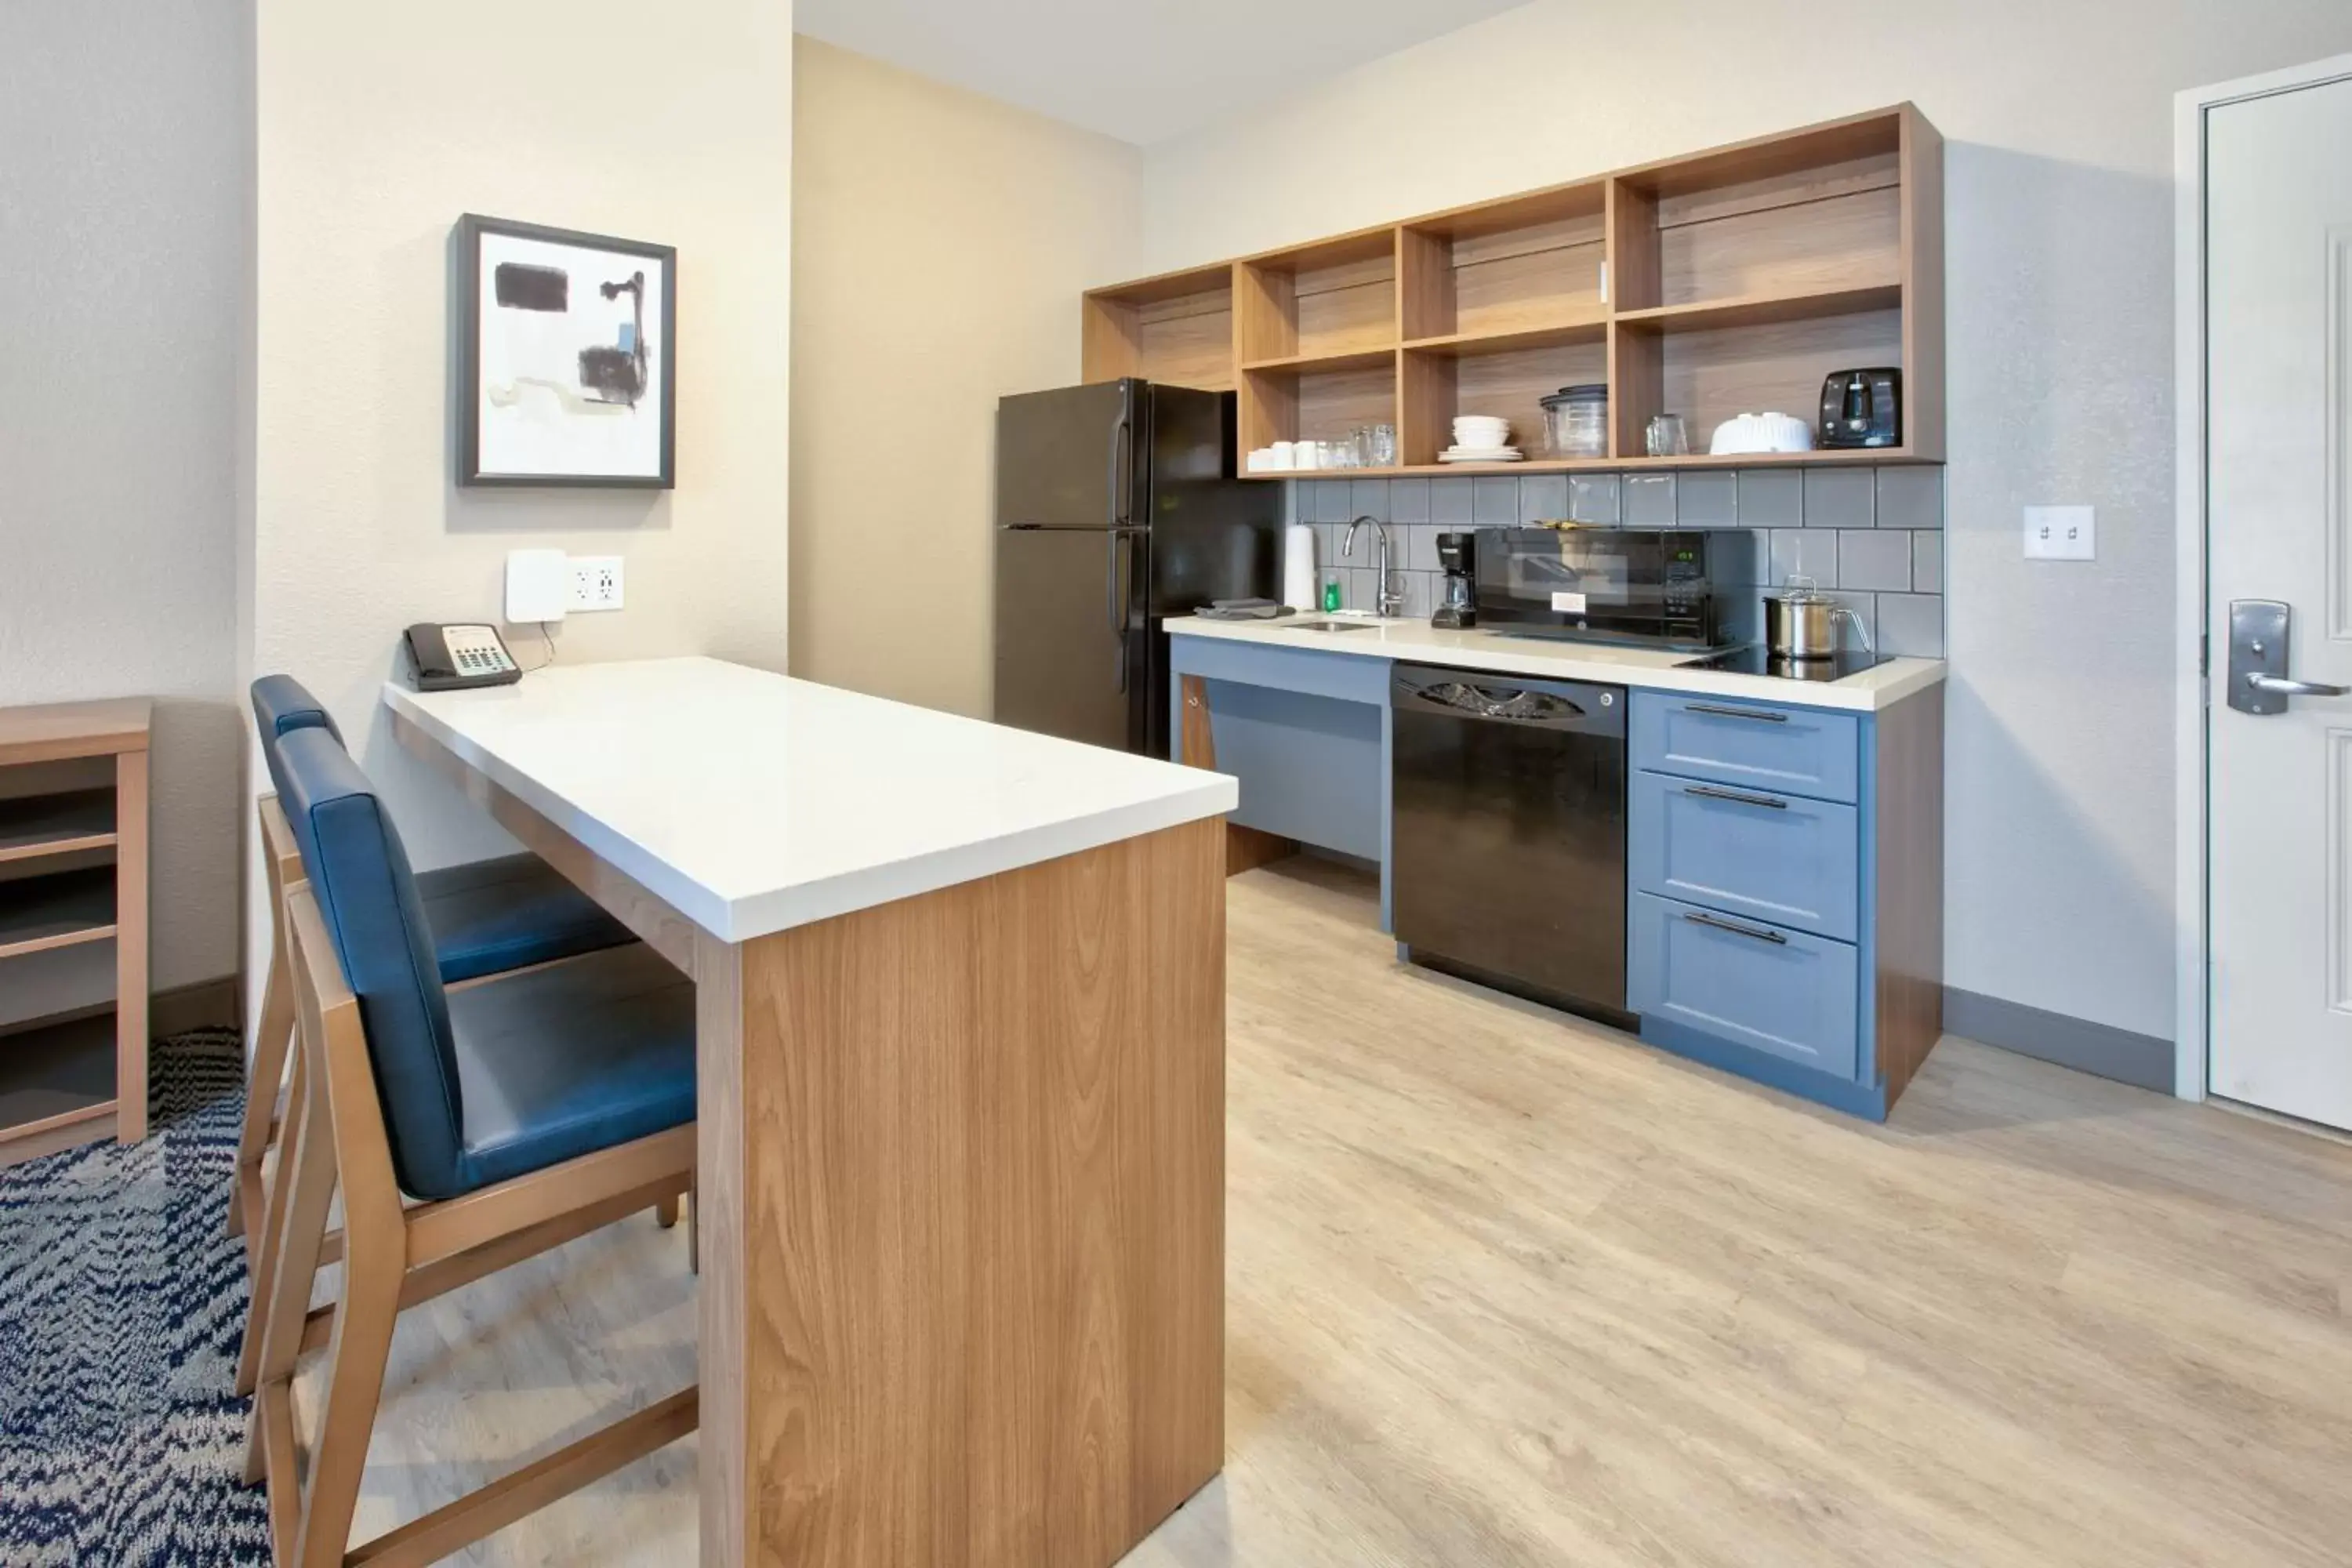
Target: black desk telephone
450	659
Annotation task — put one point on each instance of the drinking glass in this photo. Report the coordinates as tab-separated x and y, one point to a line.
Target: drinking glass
1380	446
1668	437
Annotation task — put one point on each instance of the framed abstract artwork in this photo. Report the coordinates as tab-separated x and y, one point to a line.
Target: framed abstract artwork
566	369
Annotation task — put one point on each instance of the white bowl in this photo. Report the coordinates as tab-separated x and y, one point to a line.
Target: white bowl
1761	433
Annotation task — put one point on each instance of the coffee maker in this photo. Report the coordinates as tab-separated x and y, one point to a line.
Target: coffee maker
1457	554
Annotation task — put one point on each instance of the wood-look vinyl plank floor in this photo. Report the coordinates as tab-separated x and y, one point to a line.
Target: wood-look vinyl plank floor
1506	1288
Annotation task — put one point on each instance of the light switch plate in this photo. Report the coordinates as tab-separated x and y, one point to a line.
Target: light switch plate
537	585
2061	533
595	583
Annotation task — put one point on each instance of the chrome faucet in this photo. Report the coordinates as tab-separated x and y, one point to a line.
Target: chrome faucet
1388	602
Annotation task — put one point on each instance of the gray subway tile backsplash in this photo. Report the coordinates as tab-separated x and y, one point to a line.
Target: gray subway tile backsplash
1771	498
1910	497
1876	559
1871	537
1839	498
1807	552
1495	500
1706	499
1419	542
1408	500
1543	497
1594	498
1927	561
1911	624
1649	500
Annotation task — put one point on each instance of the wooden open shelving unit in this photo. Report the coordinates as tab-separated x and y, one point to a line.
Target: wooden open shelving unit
1731	281
73	870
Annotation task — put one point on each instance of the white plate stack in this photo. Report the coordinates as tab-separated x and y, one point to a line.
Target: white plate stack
1481	438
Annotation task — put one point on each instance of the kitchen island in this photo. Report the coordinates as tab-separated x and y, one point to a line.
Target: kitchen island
961	1080
1777	846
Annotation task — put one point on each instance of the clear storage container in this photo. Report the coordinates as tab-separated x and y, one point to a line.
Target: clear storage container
1575	421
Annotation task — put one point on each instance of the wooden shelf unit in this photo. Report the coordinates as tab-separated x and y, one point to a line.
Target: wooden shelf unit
1731	281
73	871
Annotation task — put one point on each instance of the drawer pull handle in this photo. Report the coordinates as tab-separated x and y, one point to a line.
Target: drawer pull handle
1735	928
1734	795
1759	716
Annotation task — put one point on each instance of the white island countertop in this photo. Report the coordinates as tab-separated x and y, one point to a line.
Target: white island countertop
752	802
1553	660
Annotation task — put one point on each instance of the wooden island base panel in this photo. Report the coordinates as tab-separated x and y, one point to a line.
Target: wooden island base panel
960	1143
989	1122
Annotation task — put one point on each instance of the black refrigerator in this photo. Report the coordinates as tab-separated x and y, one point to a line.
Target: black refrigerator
1115	508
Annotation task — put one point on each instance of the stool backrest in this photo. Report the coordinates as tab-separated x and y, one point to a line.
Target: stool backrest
360	874
282	705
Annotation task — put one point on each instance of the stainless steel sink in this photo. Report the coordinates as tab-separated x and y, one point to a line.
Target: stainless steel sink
1333	626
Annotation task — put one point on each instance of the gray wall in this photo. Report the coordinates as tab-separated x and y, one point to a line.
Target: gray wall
123	250
2058	122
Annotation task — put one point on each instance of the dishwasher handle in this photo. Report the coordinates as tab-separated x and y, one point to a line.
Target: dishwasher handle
1477	694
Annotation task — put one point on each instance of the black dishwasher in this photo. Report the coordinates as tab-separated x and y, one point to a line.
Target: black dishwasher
1508	840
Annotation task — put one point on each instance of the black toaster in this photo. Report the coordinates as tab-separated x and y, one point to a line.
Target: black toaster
1862	408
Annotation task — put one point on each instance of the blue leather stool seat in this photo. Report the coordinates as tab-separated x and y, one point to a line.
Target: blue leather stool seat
485	917
566	1061
504	1077
508	913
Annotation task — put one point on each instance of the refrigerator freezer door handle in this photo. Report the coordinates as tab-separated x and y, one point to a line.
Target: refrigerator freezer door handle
1121	436
1115	598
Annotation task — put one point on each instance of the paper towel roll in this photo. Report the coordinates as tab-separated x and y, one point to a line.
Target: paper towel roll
1298	566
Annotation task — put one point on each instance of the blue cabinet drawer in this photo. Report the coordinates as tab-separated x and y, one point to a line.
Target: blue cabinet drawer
1763	745
1766	987
1758	854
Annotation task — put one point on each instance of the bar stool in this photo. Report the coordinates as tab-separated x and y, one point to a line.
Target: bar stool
488	918
519	1113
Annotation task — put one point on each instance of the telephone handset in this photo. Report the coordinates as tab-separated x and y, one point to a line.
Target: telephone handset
451	659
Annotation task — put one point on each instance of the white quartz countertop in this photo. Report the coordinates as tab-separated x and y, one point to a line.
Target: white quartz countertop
752	802
1420	642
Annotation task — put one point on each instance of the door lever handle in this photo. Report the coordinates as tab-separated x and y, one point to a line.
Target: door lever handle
2281	686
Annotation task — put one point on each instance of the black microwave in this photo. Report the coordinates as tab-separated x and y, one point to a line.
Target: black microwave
1672	588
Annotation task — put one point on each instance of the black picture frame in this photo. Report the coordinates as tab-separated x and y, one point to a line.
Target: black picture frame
467	238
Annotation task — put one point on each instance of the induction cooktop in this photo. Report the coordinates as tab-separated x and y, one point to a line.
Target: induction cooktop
1754	660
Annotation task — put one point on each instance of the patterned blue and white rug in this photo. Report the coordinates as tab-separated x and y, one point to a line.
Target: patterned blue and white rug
121	1307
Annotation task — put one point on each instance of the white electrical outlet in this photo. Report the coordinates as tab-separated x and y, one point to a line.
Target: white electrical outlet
595	583
2061	534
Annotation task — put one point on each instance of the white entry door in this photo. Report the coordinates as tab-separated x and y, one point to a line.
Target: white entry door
2279	465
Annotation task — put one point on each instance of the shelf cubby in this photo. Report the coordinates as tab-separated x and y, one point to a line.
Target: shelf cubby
1177	328
1507	381
1707	374
1334	297
58	1077
66	823
56	908
1321	402
1529	262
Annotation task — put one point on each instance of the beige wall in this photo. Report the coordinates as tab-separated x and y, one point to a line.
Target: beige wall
942	241
123	245
2058	127
377	127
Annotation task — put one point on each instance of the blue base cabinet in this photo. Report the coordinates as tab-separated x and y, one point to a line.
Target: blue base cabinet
1785	863
1306	732
1769	988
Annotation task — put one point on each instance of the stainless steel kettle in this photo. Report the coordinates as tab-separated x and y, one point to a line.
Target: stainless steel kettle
1803	623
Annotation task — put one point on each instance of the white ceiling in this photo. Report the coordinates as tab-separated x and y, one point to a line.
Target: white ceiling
1142	70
